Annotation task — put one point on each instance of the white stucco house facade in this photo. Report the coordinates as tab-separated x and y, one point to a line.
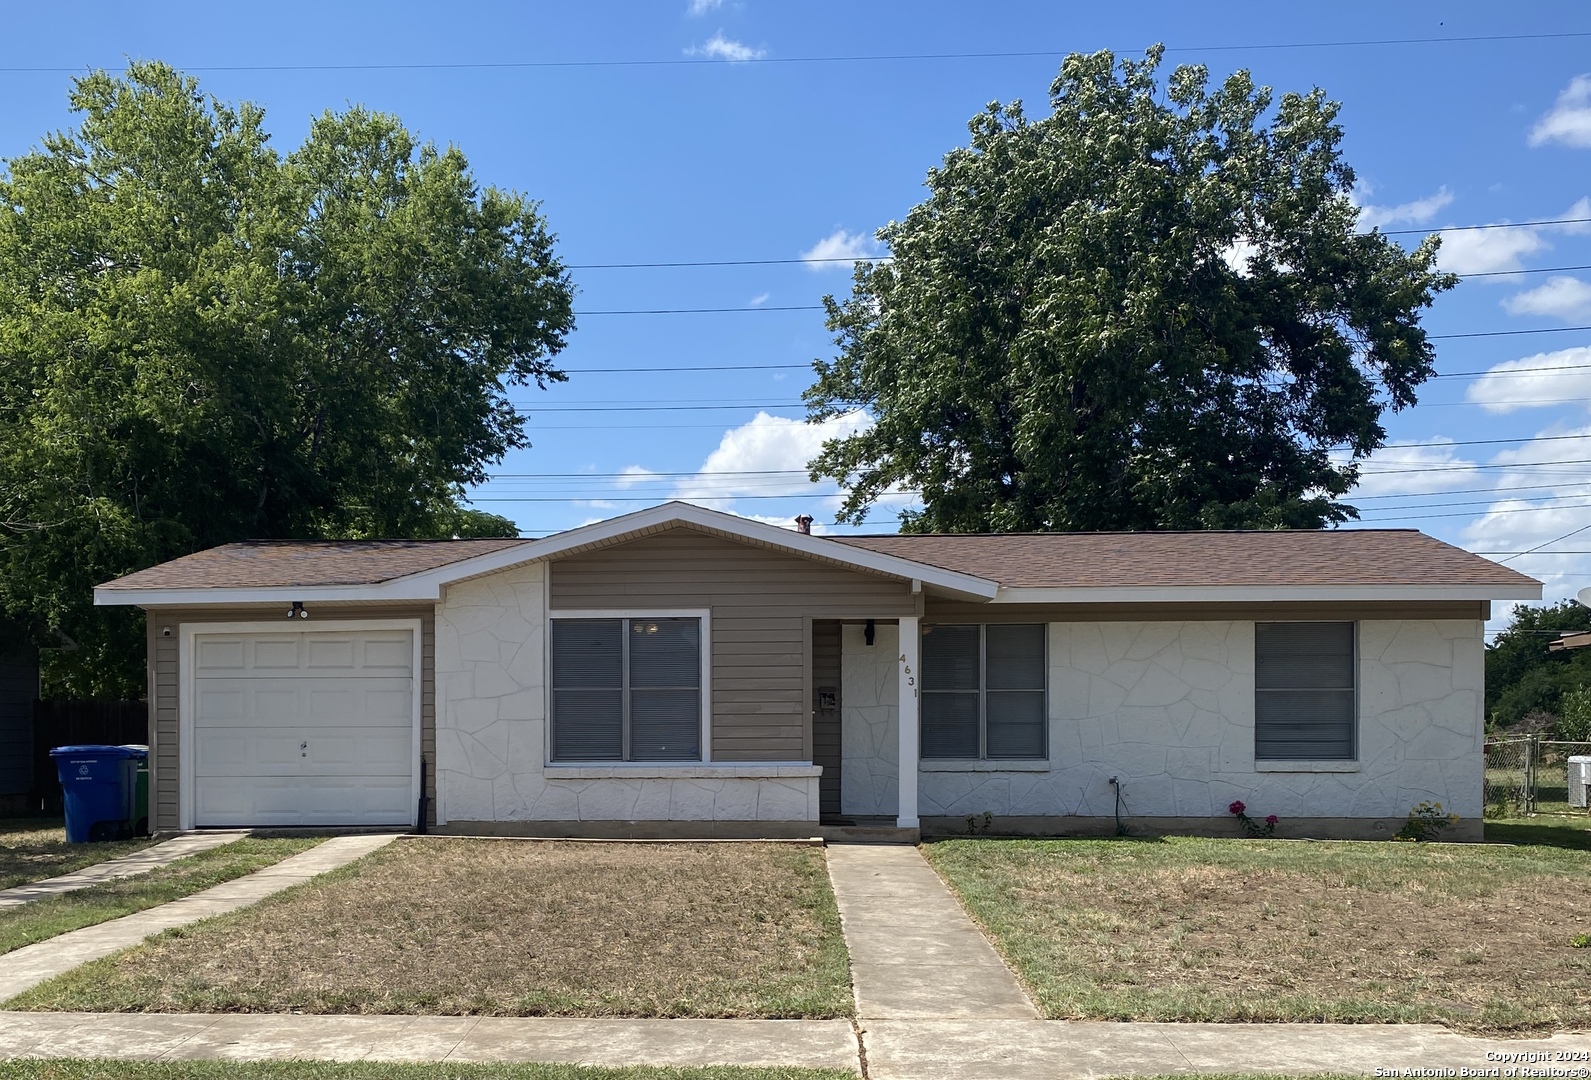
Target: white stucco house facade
683	672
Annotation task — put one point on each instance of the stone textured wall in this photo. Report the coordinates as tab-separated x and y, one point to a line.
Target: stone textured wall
1168	709
869	720
491	732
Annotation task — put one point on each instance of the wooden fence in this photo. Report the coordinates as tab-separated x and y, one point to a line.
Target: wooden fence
71	723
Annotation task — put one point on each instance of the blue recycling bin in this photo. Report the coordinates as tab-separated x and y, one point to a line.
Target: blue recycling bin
99	785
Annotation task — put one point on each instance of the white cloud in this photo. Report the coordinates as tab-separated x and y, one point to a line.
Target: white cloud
839	245
1417	212
1484	251
699	8
1565	298
1431	465
718	47
766	456
631	475
1237	255
760	299
1569	119
1577	215
1498	391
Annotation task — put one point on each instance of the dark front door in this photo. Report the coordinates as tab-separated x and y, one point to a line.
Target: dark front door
826	713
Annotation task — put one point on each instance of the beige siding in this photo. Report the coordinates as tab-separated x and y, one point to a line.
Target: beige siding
761	602
163	727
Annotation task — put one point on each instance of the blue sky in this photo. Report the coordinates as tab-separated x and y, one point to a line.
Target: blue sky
785	155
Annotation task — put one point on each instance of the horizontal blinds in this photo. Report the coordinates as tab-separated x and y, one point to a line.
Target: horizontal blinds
588	689
1305	702
665	690
984	691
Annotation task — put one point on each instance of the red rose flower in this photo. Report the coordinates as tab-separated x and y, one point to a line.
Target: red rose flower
1272	819
1236	808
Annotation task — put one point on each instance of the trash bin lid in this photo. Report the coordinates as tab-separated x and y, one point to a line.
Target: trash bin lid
94	750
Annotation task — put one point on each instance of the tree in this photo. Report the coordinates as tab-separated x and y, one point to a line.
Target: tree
204	341
1145	311
1522	675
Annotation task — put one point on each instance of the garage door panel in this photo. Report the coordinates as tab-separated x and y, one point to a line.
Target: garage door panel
304	728
326	800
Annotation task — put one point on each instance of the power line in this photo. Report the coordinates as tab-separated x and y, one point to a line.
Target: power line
1533	270
704	310
1549	543
1510	333
703	61
680	264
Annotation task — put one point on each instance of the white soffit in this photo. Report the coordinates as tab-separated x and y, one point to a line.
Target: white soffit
427	586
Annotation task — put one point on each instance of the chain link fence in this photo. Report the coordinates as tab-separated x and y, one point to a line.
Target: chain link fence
1527	774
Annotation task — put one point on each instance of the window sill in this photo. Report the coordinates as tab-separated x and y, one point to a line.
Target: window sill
1306	766
974	765
685	770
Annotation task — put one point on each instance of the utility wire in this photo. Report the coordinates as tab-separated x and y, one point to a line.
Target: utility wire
1549	543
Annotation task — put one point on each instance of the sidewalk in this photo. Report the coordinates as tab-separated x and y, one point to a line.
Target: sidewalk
31	965
896	1049
139	862
914	952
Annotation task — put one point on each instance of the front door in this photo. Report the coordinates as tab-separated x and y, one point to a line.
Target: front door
826	714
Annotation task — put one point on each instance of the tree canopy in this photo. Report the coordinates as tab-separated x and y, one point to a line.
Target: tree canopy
1526	679
204	340
1152	309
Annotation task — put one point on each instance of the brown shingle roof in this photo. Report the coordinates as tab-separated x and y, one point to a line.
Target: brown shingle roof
268	563
1275	558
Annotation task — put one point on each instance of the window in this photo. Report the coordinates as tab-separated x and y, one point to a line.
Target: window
1304	695
983	691
627	689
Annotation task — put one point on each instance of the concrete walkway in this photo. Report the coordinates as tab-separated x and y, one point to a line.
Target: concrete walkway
139	862
817	1044
29	966
896	1049
914	953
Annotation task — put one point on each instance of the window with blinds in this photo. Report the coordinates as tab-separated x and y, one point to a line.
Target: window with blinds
627	689
983	691
1305	698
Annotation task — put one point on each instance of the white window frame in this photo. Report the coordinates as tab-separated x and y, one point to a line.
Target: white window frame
188	674
1019	764
1347	764
703	614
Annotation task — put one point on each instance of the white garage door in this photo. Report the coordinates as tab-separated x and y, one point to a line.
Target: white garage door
304	728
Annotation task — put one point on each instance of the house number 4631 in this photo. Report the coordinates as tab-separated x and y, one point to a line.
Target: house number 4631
911	680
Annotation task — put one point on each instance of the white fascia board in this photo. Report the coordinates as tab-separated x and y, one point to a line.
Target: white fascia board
427	586
1248	594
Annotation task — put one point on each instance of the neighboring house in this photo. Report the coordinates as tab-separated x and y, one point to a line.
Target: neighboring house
684	672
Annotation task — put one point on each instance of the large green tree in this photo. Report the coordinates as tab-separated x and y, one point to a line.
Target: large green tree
203	340
1523	675
1152	309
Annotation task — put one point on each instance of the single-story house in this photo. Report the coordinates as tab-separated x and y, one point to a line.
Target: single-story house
684	672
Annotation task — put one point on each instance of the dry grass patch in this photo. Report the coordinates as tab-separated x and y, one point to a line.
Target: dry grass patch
32	849
1191	929
505	928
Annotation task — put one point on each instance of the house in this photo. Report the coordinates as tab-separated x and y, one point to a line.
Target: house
684	672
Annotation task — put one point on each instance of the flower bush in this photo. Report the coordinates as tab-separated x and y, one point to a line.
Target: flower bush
1250	826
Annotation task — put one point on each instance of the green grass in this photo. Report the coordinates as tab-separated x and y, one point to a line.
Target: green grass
54	915
32	849
1185	929
76	1069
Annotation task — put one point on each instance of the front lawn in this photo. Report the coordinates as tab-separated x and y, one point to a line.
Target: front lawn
32	849
505	928
1237	930
369	1070
40	919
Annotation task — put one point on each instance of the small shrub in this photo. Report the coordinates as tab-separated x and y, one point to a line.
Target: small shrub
1574	716
974	821
1425	823
1580	941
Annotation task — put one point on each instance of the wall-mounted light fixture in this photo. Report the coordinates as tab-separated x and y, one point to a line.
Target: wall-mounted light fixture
867	632
165	631
297	611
